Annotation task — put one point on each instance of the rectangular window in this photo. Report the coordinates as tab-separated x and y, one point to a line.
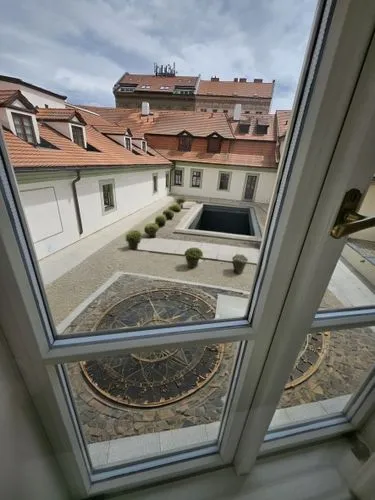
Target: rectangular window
196	178
250	186
128	143
167	180
214	145
78	136
178	177
144	146
108	195
154	183
185	142
24	127
224	178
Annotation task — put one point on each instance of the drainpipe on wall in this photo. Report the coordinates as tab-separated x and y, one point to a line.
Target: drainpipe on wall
76	202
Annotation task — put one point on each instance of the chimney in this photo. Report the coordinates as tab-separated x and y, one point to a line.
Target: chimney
237	112
145	108
243	80
215	79
258	80
235	79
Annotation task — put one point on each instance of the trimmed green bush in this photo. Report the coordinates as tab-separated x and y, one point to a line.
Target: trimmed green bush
160	220
169	214
239	263
151	229
180	201
133	238
175	207
192	257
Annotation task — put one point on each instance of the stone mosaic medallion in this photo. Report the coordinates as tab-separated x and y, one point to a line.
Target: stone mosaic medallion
309	358
155	378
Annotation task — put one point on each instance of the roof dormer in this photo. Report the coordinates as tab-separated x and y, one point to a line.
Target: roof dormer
67	122
18	115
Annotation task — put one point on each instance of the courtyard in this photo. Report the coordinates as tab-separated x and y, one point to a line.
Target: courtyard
140	394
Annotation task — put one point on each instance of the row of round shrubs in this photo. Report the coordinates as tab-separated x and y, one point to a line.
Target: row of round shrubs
134	237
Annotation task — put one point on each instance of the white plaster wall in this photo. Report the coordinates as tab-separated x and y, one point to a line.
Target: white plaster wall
210	181
368	209
28	469
133	191
37	98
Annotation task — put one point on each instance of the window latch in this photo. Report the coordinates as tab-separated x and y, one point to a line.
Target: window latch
348	220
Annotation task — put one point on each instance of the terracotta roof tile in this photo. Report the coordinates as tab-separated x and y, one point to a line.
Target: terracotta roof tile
240	89
253	120
58	114
70	154
7	95
220	158
152	83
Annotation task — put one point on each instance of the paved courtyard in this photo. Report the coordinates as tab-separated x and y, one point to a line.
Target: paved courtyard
331	364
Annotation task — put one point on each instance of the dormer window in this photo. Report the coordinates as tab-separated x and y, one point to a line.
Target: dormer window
185	141
78	137
214	144
128	143
24	127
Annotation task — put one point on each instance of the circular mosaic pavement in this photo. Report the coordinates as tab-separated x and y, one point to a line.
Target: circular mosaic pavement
155	378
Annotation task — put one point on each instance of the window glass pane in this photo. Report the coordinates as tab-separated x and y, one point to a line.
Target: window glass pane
146	404
331	367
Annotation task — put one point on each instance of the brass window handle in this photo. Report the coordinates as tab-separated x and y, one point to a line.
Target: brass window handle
348	221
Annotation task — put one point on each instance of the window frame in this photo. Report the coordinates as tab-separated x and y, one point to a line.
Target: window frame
110	208
194	171
182	176
128	141
217	140
250	174
74	129
155	183
37	354
185	142
24	118
229	174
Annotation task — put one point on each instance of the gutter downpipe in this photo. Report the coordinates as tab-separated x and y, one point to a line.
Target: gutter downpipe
76	202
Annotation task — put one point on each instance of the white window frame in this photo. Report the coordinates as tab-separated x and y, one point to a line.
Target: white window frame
182	176
225	172
83	129
315	192
200	170
109	209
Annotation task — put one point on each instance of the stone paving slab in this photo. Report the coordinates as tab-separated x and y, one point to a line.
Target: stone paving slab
210	251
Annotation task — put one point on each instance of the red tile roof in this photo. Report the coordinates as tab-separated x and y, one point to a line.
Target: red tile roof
69	154
283	120
233	89
253	120
220	158
8	96
58	114
154	83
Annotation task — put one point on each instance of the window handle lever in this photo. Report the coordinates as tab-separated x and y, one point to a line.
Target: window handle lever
348	221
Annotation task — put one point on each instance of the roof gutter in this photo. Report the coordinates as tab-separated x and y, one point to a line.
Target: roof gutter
76	202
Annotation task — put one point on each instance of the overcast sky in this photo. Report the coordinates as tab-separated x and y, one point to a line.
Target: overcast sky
81	47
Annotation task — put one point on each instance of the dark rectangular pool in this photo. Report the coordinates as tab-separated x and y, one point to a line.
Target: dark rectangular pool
223	219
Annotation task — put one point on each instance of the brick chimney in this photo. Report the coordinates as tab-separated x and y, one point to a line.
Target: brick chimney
215	79
258	80
243	80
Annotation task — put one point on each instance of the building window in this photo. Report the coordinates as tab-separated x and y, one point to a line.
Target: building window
204	109
128	143
164	87
185	143
144	146
256	112
108	195
214	110
24	127
224	178
214	145
196	178
178	177
78	137
225	111
167	180
154	183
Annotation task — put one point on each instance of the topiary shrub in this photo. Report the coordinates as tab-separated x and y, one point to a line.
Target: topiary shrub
192	257
180	201
169	214
160	220
133	238
151	229
175	207
239	263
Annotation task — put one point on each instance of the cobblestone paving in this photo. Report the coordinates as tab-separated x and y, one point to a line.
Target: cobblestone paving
102	419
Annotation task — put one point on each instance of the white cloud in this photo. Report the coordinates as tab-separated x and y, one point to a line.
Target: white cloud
81	47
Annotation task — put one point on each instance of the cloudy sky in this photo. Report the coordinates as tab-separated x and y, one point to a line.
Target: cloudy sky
81	47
